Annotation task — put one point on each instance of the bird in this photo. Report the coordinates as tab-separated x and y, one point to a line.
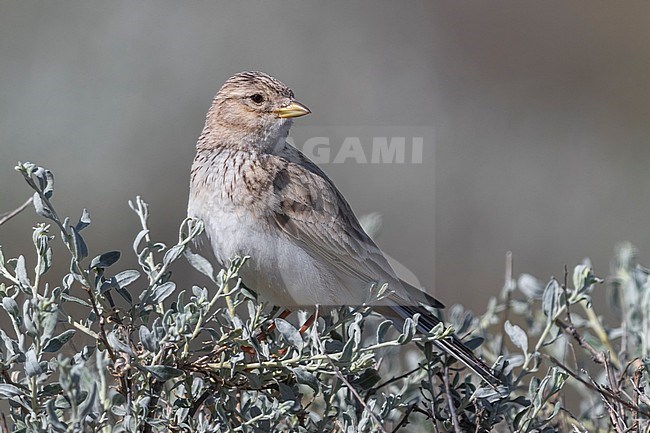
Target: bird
261	197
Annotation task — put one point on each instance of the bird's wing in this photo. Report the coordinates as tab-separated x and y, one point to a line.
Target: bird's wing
313	212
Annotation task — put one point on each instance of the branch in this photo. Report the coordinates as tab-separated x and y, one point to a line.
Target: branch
9	215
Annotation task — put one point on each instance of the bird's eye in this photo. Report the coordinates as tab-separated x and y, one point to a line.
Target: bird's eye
257	98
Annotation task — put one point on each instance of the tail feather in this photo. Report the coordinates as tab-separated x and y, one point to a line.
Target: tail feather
450	345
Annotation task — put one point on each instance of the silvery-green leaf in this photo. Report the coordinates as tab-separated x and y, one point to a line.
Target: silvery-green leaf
161	292
287	393
138	239
67	281
41	208
32	367
56	343
53	419
254	381
487	393
124	294
247	293
517	336
79	245
124	278
7	390
530	286
474	343
11	345
348	349
157	423
30	327
147	339
11	306
84	355
118	344
382	330
580	274
21	272
200	263
366	380
89	404
305	377
45	181
408	330
48	323
75	300
162	373
84	221
105	260
551	299
173	253
289	333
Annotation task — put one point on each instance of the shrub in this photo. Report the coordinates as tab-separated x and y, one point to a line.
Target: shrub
156	357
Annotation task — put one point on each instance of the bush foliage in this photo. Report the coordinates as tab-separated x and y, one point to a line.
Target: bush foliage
111	350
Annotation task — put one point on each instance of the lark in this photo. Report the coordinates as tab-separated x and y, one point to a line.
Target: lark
258	196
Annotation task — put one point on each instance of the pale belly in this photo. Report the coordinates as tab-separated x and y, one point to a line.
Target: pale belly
279	270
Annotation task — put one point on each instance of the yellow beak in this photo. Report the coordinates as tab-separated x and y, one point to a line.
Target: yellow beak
295	109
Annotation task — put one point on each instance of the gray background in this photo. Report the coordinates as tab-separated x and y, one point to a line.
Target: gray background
540	110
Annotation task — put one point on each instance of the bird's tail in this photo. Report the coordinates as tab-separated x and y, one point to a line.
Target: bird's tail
450	345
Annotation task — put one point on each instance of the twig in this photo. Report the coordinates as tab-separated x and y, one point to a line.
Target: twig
637	393
405	419
354	392
9	215
600	390
597	356
507	288
450	400
394	379
5	429
569	328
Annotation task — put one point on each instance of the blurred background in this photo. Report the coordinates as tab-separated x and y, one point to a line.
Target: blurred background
540	113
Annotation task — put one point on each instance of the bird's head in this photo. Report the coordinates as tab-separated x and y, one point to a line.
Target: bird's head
254	108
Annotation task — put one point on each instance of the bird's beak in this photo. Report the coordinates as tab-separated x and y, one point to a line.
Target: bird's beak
294	109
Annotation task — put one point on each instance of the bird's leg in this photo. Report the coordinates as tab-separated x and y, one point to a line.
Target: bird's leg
283	315
262	333
310	321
